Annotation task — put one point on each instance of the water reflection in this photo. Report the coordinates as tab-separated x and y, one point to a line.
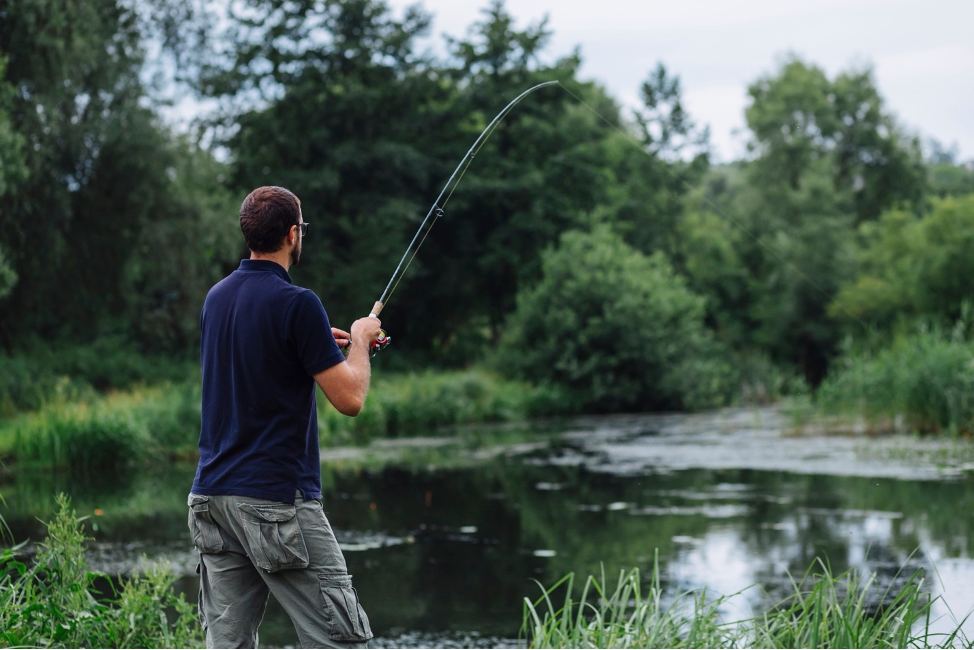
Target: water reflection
443	552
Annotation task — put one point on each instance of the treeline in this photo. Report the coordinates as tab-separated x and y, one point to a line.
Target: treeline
590	246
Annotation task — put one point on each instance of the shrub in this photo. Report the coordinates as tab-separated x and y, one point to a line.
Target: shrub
913	267
54	602
617	329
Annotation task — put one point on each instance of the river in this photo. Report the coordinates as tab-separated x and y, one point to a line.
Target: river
445	535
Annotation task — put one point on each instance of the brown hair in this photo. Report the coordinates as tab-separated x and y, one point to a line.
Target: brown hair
266	216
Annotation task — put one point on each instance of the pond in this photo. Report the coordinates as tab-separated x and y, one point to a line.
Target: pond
445	536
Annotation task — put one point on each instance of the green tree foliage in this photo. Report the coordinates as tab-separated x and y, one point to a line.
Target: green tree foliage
652	180
11	142
542	171
620	330
769	241
769	263
949	179
354	131
100	169
11	169
799	116
913	267
365	132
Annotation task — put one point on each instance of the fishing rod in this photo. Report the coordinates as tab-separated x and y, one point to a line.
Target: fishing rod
436	211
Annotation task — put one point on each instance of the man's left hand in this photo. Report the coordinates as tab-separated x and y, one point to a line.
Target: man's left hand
342	338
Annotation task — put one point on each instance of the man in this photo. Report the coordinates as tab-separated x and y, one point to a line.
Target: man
254	511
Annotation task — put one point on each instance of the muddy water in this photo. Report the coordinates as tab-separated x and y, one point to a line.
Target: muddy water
444	538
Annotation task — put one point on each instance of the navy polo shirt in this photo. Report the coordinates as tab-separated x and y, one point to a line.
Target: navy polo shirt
263	340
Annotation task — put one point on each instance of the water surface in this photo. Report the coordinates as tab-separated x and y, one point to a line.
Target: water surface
445	539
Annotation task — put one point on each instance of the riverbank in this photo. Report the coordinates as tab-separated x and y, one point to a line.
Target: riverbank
87	431
99	408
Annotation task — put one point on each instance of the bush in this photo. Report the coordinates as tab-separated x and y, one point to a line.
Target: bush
765	382
927	377
55	604
616	329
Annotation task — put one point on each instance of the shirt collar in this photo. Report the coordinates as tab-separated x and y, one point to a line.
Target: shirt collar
265	265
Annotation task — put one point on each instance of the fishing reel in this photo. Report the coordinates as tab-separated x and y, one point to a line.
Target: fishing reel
380	343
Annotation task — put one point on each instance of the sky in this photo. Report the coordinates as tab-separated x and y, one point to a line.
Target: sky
922	52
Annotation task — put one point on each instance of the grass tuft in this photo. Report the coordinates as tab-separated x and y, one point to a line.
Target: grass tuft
107	434
823	611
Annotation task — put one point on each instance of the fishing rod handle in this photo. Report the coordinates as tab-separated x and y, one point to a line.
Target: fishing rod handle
376	309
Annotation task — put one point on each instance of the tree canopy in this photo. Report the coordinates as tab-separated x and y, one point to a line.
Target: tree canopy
113	223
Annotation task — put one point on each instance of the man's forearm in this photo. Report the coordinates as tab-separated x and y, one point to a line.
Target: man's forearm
361	367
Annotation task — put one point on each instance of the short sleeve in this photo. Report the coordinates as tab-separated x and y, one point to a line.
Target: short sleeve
310	331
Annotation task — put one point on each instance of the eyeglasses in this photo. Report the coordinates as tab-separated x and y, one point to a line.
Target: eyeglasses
304	228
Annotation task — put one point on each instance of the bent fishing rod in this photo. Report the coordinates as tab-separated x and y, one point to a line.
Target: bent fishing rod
437	210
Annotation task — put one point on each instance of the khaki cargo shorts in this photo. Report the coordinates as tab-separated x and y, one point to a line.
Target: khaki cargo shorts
252	547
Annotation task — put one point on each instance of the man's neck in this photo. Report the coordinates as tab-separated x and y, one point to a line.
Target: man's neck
282	257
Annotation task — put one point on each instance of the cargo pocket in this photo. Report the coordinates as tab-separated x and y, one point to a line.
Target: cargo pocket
344	616
274	536
207	536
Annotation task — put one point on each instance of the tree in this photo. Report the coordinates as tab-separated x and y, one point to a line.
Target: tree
12	171
354	124
655	178
365	132
542	172
799	116
98	166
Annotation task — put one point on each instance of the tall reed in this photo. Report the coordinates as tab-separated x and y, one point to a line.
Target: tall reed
926	378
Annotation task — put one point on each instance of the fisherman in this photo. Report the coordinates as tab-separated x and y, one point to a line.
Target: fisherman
255	510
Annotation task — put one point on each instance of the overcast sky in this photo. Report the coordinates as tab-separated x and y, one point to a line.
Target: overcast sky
922	51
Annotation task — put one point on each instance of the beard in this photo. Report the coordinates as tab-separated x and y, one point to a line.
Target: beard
296	255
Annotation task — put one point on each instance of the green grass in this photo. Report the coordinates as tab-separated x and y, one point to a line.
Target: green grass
92	433
54	602
106	433
926	381
823	611
428	402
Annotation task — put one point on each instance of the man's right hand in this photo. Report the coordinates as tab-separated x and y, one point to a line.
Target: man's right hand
366	330
346	384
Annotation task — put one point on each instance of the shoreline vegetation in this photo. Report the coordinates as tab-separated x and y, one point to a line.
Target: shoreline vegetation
53	599
823	610
94	410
